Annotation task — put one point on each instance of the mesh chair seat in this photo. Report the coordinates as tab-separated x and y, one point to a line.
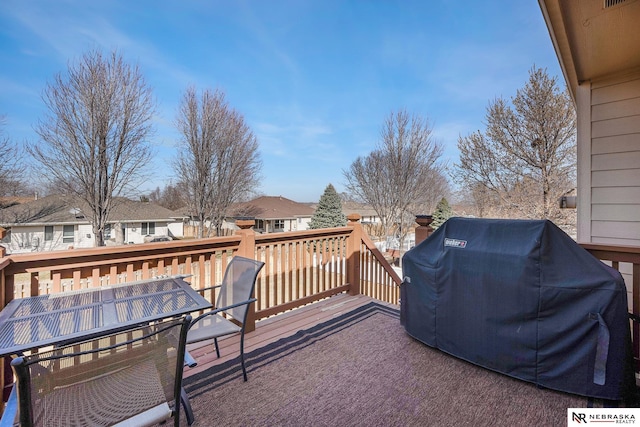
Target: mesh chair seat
132	378
105	400
210	327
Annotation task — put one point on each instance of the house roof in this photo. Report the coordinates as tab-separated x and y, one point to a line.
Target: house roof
271	207
593	38
362	209
350	207
57	209
5	202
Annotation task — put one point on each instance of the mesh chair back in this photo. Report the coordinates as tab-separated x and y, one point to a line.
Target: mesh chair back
106	380
238	284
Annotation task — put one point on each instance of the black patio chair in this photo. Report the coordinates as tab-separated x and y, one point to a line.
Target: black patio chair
232	305
229	315
132	377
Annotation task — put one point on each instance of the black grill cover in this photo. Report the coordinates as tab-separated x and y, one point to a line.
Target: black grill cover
522	298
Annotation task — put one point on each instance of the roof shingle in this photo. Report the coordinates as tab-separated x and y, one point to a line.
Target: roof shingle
57	209
271	207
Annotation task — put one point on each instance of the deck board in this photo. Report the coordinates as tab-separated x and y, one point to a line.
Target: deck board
274	328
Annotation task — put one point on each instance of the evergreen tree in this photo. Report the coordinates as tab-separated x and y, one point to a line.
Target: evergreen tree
329	213
443	212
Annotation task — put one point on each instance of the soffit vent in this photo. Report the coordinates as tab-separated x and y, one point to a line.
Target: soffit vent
611	3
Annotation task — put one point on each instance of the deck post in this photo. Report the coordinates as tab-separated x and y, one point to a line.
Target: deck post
247	249
424	228
353	253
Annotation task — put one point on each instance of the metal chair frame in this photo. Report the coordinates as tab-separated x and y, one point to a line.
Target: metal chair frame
81	376
242	272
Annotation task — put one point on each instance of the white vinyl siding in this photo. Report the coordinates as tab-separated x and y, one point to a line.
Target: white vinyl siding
614	215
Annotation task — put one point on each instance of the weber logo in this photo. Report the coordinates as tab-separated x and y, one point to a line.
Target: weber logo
455	243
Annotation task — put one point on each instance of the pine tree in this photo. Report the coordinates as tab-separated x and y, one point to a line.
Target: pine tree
329	212
443	212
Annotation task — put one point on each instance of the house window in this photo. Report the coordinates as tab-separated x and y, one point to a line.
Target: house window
67	233
107	231
278	225
48	233
148	228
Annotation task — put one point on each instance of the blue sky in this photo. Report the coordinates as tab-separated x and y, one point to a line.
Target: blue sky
314	79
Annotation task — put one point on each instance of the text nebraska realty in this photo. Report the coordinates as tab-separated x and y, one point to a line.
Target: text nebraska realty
611	418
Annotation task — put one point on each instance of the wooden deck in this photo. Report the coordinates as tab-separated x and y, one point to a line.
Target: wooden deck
272	329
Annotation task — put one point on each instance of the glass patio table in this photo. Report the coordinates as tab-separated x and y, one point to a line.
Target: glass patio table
69	317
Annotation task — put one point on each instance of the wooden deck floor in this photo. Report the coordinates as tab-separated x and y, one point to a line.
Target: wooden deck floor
274	328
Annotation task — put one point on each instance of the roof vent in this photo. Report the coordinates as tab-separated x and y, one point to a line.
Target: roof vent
611	3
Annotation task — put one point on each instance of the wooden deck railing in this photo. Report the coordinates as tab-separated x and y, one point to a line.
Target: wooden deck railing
625	259
300	267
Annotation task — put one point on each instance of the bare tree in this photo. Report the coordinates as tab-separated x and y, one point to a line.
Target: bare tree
402	177
94	138
526	158
11	173
170	197
218	160
5	154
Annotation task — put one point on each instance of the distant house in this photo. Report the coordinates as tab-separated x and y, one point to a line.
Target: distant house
59	222
272	214
367	213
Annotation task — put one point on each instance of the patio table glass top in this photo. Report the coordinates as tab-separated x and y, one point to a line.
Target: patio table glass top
68	317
